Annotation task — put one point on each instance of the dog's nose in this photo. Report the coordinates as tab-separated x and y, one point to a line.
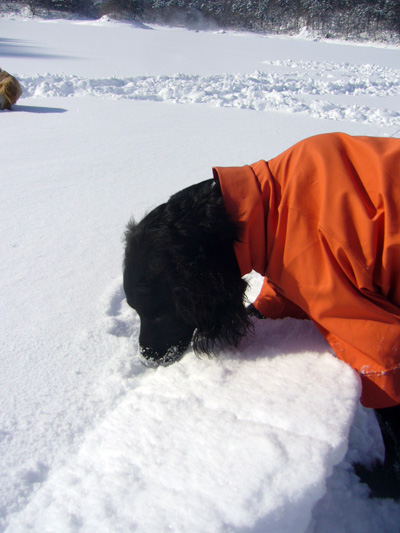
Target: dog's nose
162	342
153	358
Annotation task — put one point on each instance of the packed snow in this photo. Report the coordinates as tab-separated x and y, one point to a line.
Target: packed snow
261	438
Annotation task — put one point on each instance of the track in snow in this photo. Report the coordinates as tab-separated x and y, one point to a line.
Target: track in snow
321	89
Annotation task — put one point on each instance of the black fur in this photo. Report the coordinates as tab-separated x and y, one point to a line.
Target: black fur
181	276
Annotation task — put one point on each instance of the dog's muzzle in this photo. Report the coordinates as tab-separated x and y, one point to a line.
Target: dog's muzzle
151	358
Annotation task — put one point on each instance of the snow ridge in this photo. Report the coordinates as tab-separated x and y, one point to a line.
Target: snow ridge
289	86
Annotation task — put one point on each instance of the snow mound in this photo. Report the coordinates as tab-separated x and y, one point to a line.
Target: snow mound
293	87
206	444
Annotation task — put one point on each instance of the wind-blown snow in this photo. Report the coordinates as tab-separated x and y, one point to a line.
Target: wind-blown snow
90	439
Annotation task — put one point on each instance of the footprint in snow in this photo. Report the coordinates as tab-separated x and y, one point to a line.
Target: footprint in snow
122	321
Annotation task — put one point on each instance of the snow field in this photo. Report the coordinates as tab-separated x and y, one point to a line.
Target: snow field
90	440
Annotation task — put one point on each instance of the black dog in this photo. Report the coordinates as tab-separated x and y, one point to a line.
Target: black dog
182	278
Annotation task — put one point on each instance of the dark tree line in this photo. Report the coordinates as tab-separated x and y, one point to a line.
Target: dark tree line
342	18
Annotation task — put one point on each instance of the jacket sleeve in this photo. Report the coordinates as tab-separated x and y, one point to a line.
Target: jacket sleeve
273	305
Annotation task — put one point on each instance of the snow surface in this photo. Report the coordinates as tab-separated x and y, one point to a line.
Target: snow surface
90	439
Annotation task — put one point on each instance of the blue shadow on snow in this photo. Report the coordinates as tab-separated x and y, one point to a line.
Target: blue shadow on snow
37	109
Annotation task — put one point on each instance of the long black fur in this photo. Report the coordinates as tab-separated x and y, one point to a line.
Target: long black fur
185	247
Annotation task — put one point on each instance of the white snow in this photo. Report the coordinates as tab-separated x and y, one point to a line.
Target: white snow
260	91
90	439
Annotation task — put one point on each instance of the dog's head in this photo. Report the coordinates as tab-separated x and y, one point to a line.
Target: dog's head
149	289
182	278
10	90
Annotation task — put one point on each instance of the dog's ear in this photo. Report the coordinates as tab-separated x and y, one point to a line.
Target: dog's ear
212	298
209	290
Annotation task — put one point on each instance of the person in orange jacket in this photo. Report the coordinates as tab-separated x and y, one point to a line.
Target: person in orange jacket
321	222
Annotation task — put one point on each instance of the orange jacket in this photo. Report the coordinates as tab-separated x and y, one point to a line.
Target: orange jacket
321	222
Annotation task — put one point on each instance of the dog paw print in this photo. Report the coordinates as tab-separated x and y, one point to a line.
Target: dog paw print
34	474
